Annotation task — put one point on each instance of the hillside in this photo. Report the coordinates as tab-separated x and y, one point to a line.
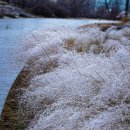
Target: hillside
12	11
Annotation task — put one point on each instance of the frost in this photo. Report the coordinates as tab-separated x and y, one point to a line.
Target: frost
81	79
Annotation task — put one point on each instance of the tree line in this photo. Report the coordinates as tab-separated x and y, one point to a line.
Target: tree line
57	8
68	8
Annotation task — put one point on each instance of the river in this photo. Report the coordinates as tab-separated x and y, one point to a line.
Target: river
11	30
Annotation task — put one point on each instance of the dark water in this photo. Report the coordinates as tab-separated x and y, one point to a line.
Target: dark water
10	33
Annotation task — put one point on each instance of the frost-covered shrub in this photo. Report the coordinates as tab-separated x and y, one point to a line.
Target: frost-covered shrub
115	35
126	31
110	47
79	91
90	41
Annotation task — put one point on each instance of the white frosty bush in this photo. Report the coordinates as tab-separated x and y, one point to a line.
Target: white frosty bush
84	90
126	31
115	35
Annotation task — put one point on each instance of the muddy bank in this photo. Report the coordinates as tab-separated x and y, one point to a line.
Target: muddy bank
13	115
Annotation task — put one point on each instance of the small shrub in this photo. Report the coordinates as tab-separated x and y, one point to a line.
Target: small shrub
69	43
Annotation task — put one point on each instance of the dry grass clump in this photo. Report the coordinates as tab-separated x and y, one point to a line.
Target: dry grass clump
38	67
69	43
102	26
89	40
83	46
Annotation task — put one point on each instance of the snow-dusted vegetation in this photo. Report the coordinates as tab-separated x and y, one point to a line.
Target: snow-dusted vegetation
81	79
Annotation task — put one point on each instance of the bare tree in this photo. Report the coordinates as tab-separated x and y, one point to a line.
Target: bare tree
127	7
107	4
76	7
23	3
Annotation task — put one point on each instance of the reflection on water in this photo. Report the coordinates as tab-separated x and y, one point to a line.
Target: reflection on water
7	27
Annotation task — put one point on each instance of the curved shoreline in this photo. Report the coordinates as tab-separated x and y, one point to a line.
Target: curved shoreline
11	117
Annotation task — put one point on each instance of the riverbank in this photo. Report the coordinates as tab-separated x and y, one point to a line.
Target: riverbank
17	28
8	10
13	117
78	76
